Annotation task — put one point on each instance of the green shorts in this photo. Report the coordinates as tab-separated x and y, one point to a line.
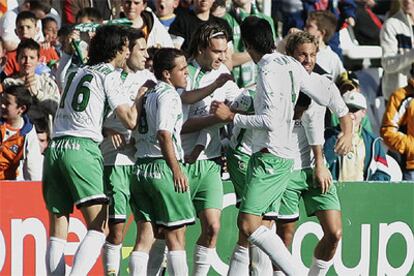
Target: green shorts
117	180
237	162
72	174
301	185
266	180
206	186
153	197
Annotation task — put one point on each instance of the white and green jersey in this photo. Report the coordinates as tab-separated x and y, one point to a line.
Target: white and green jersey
210	137
131	82
241	138
86	96
274	103
162	110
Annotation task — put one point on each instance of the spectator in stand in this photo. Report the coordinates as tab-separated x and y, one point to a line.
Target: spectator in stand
164	9
187	22
2	55
19	150
42	88
219	8
43	135
26	29
366	161
367	24
244	69
50	30
8	22
108	9
322	24
398	126
155	33
89	15
397	48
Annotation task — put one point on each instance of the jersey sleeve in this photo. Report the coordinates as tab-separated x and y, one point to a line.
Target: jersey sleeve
114	90
313	121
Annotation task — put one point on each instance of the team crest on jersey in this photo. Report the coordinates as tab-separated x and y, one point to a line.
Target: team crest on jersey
14	149
242	165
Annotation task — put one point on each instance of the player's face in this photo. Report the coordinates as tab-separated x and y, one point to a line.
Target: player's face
312	28
165	7
9	108
214	55
26	29
202	5
122	56
306	55
138	56
28	59
178	75
133	8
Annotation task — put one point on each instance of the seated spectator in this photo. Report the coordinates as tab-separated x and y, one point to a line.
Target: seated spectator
50	30
398	126
164	9
397	48
367	160
26	29
187	22
322	24
43	135
19	150
42	88
89	15
107	9
2	55
367	25
155	32
8	22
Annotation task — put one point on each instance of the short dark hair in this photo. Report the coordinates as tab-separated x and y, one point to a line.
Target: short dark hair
41	126
133	35
296	39
92	13
325	21
42	5
46	20
257	33
23	97
164	59
26	15
202	36
107	42
27	44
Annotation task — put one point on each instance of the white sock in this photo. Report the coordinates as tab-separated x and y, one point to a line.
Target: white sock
111	258
87	253
278	273
202	260
239	262
138	262
260	262
319	267
177	263
55	257
274	247
157	256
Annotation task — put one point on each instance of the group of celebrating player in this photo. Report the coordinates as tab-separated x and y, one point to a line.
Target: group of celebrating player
124	135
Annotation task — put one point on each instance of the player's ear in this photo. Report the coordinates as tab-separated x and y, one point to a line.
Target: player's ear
166	75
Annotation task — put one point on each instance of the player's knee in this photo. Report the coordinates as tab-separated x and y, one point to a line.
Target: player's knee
245	227
334	236
213	229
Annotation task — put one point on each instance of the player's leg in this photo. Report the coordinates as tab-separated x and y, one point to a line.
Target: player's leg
117	180
208	201
267	178
58	231
138	260
157	255
176	256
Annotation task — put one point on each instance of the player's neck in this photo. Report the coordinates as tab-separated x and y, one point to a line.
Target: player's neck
15	123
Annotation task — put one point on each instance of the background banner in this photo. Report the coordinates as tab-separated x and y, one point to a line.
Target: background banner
378	223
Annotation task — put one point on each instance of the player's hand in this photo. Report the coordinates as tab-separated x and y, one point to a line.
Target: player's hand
222	79
180	181
350	21
67	42
323	178
30	83
294	31
118	140
221	111
195	153
344	144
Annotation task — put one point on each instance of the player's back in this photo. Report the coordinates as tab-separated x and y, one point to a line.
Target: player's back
83	103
